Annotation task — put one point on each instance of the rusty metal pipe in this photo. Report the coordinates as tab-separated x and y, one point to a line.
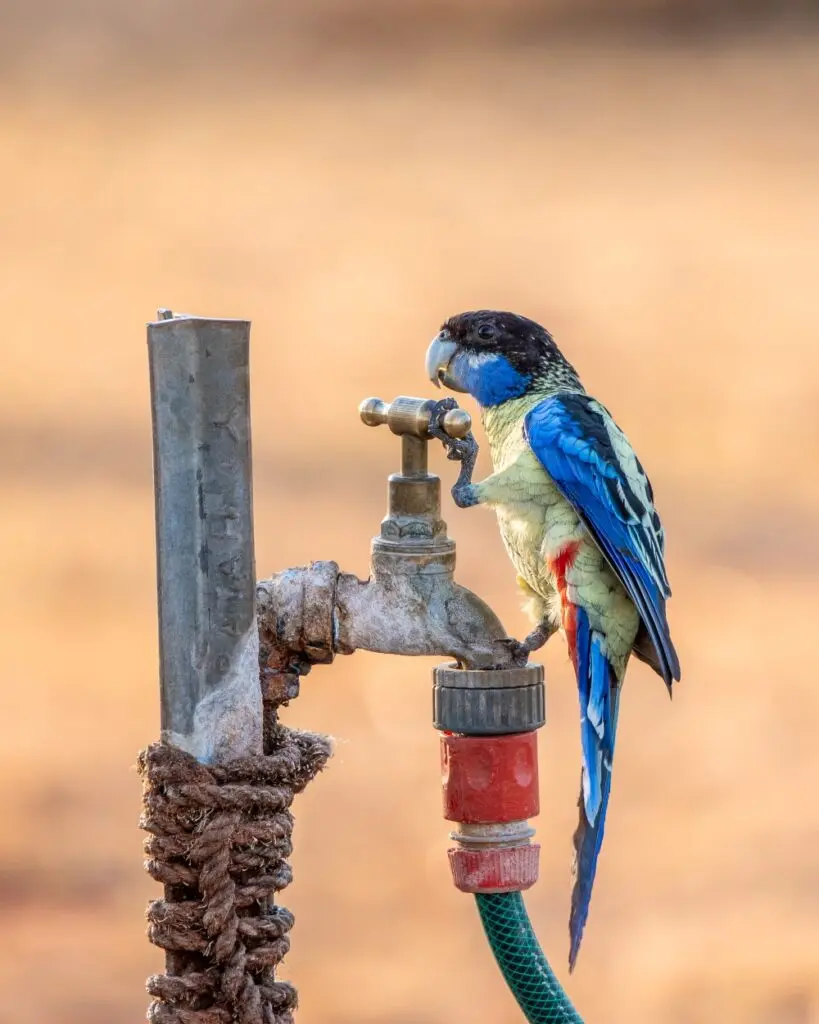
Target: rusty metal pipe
208	635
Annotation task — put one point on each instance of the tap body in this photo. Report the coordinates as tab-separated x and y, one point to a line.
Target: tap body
410	604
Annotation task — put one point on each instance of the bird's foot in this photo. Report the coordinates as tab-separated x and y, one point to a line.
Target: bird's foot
439	410
518	652
521	649
459	449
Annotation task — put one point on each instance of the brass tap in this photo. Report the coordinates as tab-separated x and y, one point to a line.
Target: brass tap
413	534
411	603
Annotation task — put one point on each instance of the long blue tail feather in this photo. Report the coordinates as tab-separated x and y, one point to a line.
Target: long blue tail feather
599	700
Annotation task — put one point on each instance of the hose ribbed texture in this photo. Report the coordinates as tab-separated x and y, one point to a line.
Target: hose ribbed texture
520	958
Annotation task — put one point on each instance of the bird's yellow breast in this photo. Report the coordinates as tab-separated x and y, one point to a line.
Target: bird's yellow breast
536	523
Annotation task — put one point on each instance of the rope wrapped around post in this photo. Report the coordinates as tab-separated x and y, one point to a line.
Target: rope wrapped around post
219	839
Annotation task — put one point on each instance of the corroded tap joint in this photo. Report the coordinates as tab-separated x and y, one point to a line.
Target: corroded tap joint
296	610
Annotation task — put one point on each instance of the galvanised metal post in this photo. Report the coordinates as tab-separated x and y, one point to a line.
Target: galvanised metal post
208	637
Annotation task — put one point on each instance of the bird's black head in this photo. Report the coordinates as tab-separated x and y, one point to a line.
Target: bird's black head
497	356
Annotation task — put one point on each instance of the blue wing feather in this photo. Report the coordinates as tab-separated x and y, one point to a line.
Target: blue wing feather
590	461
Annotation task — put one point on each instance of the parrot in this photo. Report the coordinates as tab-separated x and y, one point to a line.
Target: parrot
577	518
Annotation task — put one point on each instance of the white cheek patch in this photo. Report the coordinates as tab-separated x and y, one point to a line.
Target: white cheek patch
469	367
476	361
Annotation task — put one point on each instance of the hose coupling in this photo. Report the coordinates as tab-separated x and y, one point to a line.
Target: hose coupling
494	858
488	702
489	772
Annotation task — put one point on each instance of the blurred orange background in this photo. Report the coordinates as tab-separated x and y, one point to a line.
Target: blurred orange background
639	177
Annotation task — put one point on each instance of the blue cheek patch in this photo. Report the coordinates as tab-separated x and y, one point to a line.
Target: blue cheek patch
491	379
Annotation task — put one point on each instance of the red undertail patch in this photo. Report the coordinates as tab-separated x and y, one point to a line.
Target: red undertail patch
559	566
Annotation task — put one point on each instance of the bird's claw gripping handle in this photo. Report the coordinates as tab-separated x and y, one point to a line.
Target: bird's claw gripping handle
417	421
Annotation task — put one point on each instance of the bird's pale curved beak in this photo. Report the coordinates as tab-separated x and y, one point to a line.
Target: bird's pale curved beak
439	357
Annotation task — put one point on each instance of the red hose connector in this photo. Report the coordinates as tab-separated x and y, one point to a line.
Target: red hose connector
490	787
490	779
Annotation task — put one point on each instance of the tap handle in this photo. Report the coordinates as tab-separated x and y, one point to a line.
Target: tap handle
412	416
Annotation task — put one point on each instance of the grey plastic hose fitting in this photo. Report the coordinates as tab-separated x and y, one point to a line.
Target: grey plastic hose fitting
488	702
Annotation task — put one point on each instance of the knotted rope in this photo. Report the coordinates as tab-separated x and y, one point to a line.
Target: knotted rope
219	839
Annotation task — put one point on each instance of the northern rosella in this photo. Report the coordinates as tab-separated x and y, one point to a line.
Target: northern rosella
577	517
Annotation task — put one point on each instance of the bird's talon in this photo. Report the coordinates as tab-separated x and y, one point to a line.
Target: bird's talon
464	450
439	410
454	447
518	651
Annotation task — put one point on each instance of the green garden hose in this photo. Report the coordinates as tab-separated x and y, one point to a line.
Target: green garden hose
520	958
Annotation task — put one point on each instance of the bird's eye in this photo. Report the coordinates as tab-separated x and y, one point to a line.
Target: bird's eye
486	332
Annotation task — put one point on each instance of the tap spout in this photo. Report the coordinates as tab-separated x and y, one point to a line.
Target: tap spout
418	614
